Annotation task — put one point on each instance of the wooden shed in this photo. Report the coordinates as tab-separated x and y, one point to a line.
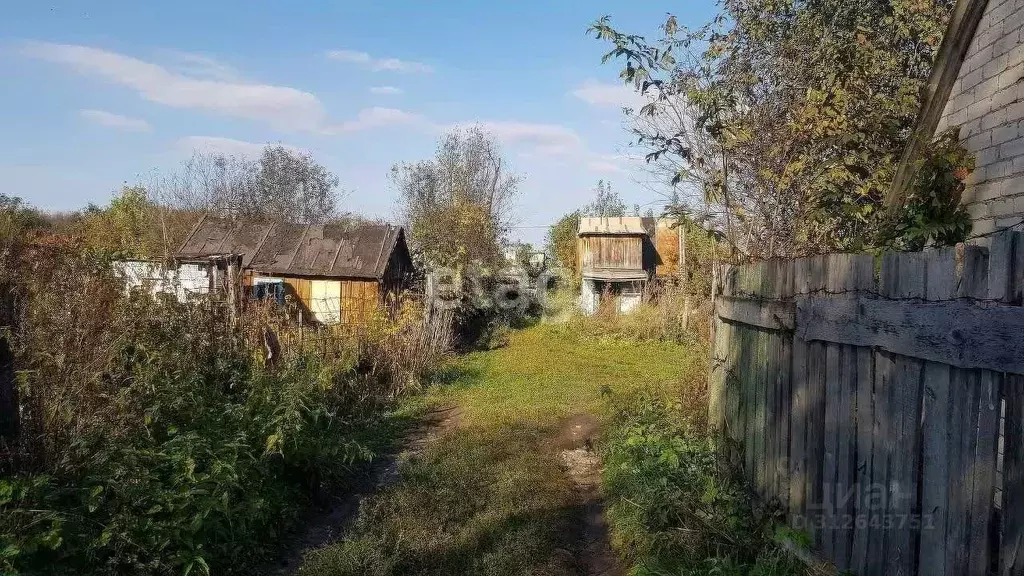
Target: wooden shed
334	272
617	258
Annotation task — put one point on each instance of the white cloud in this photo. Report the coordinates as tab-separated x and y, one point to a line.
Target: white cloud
615	95
376	117
550	139
280	106
111	120
379	64
385	90
226	146
604	167
552	143
201	66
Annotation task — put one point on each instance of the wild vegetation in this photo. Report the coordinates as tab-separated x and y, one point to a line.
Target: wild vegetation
784	122
155	438
490	494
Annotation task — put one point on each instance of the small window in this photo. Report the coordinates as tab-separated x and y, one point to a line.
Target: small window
273	290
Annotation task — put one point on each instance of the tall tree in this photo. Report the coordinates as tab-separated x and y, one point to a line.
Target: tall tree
130	226
561	241
787	118
606	204
458	205
282	184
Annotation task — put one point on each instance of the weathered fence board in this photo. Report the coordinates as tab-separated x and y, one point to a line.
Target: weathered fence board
888	420
935	425
770	314
963	333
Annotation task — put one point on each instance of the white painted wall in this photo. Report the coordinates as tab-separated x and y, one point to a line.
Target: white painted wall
183	282
588	297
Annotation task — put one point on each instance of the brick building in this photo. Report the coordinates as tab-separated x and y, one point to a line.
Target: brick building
978	84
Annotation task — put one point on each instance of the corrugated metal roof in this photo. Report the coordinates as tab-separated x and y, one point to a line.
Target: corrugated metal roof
332	250
625	225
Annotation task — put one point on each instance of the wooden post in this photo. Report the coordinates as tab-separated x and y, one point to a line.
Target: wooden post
9	407
234	288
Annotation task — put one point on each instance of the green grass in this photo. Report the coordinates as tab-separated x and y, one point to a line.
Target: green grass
490	496
549	372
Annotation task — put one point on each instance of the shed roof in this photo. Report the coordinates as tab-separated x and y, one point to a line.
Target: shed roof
619	226
331	250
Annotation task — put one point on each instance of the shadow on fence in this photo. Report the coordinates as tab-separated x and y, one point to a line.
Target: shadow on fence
881	403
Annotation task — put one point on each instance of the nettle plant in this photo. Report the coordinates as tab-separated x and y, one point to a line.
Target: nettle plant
932	214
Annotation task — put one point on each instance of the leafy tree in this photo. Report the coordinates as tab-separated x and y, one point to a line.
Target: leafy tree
523	253
786	119
606	204
282	184
458	205
561	241
128	227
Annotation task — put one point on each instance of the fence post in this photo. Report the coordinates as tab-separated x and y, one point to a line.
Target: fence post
9	407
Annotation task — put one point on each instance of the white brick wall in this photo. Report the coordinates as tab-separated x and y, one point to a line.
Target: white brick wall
987	103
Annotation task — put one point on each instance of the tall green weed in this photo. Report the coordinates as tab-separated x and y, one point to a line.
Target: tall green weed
675	506
156	440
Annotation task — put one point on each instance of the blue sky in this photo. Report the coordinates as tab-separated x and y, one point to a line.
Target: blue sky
101	93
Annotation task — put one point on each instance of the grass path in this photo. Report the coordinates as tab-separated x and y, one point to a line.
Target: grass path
513	486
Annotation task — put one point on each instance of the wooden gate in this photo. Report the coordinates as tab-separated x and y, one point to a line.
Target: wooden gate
881	403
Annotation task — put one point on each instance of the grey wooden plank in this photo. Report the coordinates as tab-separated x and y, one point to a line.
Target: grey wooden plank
728	282
904	466
815	444
798	435
770	314
845	458
1000	262
964	333
973	282
881	436
1011	552
1016	295
905	463
771	417
965	400
759	370
830	466
989	390
961	439
785	380
935	424
717	377
863	461
775	290
750	404
734	387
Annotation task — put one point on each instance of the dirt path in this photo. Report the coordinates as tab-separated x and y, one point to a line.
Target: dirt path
593	554
513	484
327	524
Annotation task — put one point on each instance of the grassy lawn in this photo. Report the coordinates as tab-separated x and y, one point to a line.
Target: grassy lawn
491	494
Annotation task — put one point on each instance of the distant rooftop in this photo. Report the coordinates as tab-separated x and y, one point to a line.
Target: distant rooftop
332	250
624	225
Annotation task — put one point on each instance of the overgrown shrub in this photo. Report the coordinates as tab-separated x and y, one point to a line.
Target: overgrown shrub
666	313
675	506
155	438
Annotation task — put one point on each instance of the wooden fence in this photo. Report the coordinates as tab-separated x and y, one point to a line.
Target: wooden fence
881	403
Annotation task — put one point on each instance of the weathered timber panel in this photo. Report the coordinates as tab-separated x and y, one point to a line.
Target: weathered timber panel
963	333
615	252
769	314
874	414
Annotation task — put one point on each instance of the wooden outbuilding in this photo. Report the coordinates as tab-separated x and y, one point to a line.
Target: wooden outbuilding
333	272
617	259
